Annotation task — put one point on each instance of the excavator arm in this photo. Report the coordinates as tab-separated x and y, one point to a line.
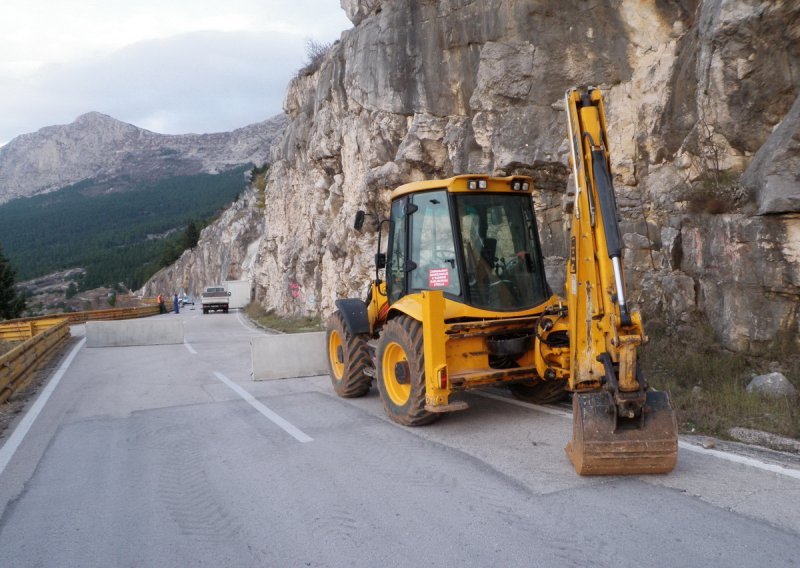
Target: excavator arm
619	425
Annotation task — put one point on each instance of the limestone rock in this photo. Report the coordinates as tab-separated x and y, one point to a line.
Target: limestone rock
228	249
750	436
693	90
773	173
738	262
774	385
357	10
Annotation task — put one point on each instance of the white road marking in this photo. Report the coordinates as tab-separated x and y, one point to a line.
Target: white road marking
289	428
189	347
735	458
15	440
239	319
537	407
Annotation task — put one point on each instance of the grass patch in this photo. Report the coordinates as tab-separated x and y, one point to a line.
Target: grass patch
707	385
270	320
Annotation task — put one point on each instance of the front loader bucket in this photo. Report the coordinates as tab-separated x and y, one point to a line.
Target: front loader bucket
601	446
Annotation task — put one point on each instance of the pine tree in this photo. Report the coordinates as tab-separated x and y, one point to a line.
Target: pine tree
192	235
12	304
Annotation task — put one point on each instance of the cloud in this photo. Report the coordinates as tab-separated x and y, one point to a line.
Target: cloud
203	81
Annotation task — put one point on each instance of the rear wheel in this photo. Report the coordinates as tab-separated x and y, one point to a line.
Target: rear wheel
539	391
401	372
348	358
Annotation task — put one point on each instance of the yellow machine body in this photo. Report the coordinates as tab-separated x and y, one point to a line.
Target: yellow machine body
455	333
451	316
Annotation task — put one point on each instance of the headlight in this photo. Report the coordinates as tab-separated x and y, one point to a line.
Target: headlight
477	183
520	184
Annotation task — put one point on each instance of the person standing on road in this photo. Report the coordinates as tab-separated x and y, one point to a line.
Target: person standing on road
175	303
162	309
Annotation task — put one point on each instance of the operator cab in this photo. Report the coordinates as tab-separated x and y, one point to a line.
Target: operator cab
474	238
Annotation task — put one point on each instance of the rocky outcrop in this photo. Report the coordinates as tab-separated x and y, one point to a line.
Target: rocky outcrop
227	250
774	385
696	92
772	176
102	148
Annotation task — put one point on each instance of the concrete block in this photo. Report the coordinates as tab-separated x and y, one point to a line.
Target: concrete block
289	355
126	333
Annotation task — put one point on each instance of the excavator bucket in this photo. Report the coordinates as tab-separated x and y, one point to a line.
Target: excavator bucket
603	445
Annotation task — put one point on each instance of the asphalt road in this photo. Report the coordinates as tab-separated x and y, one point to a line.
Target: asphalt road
148	456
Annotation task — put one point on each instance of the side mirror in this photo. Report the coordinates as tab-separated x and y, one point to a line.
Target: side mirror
380	260
359	223
229	293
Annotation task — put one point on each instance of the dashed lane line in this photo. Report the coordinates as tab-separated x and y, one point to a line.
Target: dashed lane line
279	421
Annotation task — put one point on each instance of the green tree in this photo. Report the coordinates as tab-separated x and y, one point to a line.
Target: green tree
12	303
192	235
71	290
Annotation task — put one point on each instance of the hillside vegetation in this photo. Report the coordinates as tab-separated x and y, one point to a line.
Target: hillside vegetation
117	236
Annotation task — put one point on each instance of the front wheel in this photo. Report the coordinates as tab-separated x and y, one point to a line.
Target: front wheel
401	372
348	358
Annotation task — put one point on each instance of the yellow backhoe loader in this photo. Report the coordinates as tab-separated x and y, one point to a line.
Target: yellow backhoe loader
464	304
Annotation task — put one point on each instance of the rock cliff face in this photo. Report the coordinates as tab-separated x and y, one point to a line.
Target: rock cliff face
99	147
702	102
227	250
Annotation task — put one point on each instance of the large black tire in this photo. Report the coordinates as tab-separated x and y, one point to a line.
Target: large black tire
348	358
401	372
538	391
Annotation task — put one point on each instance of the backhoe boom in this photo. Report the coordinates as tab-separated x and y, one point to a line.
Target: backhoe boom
605	332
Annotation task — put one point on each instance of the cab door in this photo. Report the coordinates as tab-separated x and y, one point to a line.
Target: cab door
396	269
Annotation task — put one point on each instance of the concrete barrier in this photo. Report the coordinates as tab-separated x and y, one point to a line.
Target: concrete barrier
289	355
133	332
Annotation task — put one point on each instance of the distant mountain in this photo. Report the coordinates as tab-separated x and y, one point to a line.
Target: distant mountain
118	156
114	237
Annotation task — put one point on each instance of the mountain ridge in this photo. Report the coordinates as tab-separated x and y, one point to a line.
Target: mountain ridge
100	147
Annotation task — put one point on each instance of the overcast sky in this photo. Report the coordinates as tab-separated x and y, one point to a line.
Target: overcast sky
171	66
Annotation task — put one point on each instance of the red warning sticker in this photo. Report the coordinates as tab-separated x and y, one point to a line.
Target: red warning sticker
438	278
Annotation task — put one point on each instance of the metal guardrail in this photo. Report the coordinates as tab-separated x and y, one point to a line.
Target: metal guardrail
17	366
26	328
41	336
22	330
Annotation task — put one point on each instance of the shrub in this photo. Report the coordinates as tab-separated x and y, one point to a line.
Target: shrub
315	53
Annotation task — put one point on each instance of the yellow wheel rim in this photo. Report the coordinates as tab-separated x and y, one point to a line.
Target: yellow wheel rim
397	392
334	343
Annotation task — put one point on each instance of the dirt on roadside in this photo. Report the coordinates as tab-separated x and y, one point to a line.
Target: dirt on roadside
19	401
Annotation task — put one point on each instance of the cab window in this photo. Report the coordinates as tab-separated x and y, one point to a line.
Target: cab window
432	247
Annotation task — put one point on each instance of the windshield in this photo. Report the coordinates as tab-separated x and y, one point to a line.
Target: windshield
503	264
